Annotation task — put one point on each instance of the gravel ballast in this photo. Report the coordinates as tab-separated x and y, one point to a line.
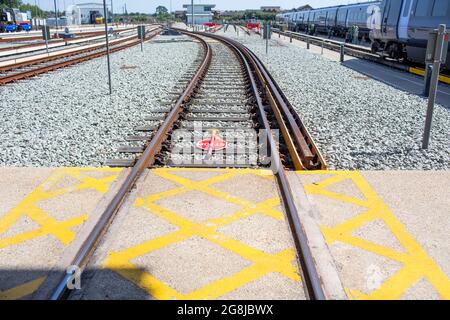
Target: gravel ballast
67	118
357	123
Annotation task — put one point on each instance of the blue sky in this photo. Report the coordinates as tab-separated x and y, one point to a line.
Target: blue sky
150	5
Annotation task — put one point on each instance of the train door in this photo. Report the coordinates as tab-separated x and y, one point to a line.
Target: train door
404	19
390	20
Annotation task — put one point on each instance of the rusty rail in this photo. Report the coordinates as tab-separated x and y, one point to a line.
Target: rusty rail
31	38
310	275
144	161
44	69
58	40
57	56
261	84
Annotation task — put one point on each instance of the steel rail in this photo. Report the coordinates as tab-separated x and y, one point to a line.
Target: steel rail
81	34
310	275
56	41
58	56
309	152
311	278
64	54
144	161
310	155
40	70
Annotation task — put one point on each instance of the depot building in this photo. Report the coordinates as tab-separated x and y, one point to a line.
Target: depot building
202	13
86	13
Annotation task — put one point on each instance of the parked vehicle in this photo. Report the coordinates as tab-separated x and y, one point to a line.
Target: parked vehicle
12	20
398	29
405	26
334	21
7	21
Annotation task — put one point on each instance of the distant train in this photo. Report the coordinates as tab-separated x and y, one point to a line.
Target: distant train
335	21
397	28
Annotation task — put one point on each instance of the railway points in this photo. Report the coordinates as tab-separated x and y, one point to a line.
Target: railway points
216	170
372	124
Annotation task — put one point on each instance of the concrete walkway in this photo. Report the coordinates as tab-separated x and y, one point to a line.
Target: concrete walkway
388	231
41	212
222	234
197	234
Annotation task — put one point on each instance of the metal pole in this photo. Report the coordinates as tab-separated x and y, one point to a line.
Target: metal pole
56	16
46	37
107	46
192	11
428	74
35	13
307	43
323	41
142	39
433	84
267	37
342	52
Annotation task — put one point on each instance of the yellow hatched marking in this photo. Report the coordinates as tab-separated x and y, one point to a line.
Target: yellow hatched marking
262	263
22	290
416	263
61	230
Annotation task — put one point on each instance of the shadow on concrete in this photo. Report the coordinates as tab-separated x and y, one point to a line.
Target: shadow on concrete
401	80
96	284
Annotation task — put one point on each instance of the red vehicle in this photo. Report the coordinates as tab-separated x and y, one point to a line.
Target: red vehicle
253	24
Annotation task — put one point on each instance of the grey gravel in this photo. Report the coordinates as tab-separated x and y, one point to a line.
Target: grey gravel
66	118
356	123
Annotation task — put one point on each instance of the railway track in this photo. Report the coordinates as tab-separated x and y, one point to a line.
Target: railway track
227	97
23	49
39	37
34	67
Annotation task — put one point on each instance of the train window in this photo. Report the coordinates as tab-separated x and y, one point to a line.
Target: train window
342	14
406	8
440	8
422	8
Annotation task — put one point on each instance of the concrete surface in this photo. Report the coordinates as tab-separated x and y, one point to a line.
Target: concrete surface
222	234
41	212
388	232
399	79
197	234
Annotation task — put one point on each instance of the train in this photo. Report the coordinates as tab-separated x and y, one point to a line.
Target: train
404	27
334	21
398	29
13	20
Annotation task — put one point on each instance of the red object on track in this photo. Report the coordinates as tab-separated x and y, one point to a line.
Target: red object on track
212	144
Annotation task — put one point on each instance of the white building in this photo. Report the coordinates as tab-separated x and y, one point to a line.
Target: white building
270	8
85	13
202	13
